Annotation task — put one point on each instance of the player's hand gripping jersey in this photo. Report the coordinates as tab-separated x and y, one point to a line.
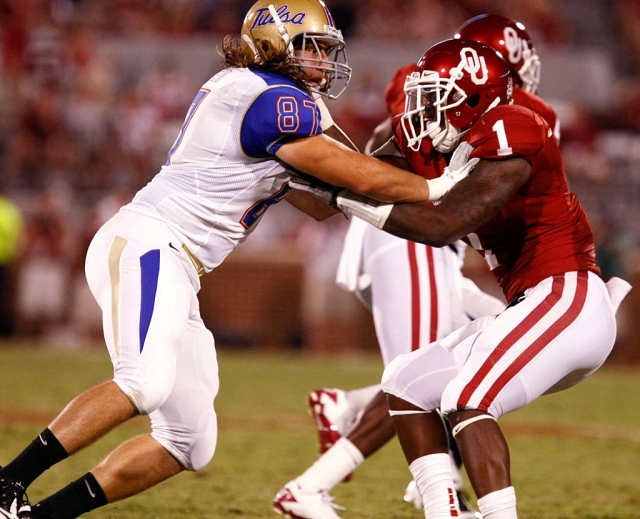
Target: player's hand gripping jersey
221	174
542	230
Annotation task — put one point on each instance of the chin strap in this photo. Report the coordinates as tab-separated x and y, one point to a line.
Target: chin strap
281	29
256	55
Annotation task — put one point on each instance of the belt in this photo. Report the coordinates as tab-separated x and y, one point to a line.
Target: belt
196	262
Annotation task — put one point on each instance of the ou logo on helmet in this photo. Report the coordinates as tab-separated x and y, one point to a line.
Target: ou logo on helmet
473	64
513	44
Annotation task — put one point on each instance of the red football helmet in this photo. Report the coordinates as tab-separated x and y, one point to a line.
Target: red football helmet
455	83
511	40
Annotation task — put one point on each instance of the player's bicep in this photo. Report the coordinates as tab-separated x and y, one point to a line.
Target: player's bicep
274	117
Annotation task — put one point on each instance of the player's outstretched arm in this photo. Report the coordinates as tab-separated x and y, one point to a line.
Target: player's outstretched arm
468	206
334	163
311	205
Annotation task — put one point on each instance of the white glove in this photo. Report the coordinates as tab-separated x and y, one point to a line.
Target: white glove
459	167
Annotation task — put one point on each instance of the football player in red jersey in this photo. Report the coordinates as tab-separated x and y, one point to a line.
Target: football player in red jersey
516	209
381	259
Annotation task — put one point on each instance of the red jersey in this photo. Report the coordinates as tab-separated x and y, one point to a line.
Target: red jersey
543	229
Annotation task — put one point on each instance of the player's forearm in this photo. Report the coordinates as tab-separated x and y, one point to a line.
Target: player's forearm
472	203
420	223
334	163
387	183
309	204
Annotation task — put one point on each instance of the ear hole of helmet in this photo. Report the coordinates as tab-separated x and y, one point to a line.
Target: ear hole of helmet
297	42
474	100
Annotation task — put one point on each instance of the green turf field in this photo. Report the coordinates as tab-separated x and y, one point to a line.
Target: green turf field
575	455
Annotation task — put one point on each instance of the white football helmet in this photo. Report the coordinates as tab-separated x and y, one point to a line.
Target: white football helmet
290	24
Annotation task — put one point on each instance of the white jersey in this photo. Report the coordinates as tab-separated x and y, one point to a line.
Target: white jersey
221	174
220	177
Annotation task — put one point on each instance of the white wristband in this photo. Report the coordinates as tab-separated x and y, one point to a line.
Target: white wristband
438	187
371	211
326	121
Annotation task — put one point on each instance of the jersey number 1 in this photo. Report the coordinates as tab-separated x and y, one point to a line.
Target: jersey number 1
504	148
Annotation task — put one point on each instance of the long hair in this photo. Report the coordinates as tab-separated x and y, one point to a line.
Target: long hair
275	60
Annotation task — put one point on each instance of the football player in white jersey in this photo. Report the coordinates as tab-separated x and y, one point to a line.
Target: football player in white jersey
246	128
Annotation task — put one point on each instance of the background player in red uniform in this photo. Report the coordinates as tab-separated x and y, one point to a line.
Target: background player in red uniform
516	209
512	41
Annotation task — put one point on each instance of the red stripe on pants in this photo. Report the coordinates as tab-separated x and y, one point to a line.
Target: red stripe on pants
433	291
536	346
415	296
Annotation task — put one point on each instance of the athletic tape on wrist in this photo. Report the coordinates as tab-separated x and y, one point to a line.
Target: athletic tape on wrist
438	187
364	208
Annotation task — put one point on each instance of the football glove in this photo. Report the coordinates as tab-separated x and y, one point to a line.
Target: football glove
459	167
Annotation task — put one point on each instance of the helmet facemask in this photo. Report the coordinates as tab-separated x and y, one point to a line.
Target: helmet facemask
334	68
428	97
529	73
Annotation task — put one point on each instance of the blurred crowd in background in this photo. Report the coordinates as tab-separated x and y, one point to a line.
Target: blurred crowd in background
93	93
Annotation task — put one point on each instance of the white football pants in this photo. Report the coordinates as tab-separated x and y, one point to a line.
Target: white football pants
560	333
163	356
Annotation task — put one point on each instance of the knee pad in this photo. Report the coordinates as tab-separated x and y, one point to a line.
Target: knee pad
419	377
390	377
186	424
193	448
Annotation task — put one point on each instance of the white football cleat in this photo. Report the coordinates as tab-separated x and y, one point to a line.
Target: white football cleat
412	496
332	415
293	503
